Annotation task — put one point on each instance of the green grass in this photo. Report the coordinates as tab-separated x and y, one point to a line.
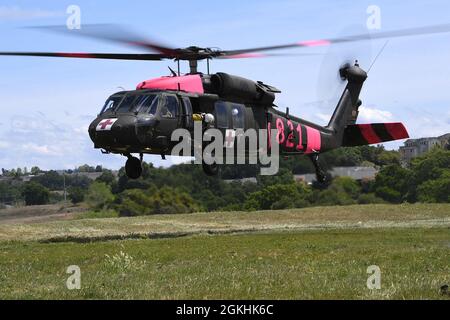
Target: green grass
293	265
341	217
98	214
315	253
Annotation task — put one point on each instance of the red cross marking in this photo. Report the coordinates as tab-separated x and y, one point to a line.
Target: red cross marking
229	139
105	123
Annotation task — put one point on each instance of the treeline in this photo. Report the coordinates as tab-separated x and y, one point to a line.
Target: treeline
185	188
13	191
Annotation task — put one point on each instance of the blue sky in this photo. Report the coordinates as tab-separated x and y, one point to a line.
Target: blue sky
47	104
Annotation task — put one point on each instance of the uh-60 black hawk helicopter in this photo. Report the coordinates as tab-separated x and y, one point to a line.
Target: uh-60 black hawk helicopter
142	121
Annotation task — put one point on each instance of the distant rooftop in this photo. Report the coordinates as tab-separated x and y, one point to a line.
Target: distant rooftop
357	173
442	137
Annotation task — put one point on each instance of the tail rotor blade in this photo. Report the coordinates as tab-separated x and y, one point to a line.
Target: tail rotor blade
330	85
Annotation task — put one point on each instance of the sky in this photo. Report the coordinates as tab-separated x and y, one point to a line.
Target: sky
46	104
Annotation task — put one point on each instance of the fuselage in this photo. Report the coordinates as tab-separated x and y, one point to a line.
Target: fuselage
143	120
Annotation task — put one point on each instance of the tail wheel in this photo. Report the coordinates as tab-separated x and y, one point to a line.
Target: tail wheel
133	168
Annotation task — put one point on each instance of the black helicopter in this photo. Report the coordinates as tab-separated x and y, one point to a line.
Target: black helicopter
142	121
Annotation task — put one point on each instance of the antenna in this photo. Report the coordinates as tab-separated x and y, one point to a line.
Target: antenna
174	74
378	55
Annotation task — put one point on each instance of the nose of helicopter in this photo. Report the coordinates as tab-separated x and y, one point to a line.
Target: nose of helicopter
144	128
123	130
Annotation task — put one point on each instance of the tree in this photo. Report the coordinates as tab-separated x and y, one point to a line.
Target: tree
76	194
19	172
388	157
346	185
344	157
106	177
392	183
284	176
99	195
35	194
35	170
86	168
436	190
279	196
431	165
9	193
429	173
51	180
76	180
341	191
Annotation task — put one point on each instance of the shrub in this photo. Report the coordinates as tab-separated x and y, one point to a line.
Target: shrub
76	194
279	196
368	198
99	195
165	200
35	194
435	190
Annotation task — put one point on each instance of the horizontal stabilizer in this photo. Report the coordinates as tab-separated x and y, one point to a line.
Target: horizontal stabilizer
364	134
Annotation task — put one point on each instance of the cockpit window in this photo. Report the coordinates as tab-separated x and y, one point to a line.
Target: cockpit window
147	104
127	104
170	108
111	103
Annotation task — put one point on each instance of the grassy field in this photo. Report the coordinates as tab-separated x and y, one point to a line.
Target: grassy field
292	254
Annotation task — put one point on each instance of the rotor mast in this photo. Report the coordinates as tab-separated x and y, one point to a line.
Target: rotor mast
193	66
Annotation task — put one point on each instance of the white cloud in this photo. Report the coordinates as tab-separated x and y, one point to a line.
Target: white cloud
18	13
40	149
323	117
3	144
367	114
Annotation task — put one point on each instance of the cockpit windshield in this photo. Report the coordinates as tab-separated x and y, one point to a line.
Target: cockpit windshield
147	104
112	103
127	104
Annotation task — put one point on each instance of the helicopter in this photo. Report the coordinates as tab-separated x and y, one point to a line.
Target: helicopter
142	121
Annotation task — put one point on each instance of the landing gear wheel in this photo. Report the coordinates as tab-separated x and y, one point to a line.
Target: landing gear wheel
321	175
210	169
133	168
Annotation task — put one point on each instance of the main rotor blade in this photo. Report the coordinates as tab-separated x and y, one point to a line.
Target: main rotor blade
116	56
114	33
266	55
353	38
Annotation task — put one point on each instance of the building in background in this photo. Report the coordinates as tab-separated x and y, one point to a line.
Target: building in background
356	173
416	147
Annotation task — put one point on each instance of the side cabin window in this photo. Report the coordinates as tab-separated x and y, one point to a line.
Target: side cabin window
223	111
238	115
170	108
222	120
